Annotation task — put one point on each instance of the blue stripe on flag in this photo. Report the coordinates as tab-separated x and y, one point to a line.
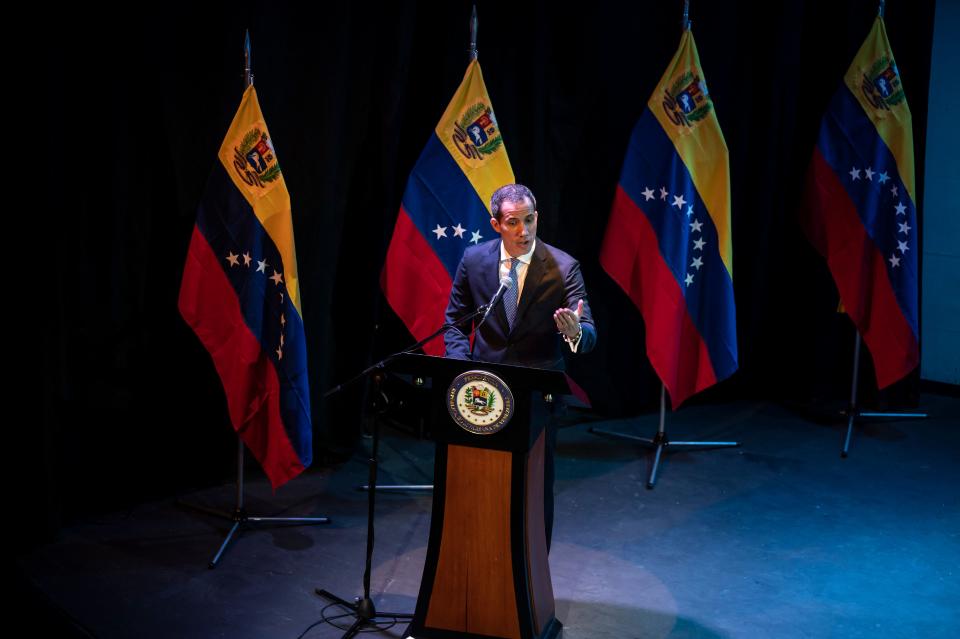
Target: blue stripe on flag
438	194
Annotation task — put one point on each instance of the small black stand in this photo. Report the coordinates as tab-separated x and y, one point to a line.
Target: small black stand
363	608
660	442
853	412
239	516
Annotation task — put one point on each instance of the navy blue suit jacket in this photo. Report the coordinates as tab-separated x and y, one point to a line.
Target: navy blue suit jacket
553	281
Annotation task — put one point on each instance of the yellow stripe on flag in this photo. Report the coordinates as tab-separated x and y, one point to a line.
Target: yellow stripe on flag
872	68
697	138
248	156
470	107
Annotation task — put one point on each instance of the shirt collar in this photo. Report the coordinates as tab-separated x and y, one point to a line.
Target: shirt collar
525	258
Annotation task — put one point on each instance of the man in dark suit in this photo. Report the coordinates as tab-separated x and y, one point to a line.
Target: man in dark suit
543	313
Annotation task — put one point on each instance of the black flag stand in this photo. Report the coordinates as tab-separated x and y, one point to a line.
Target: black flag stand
853	413
239	516
660	441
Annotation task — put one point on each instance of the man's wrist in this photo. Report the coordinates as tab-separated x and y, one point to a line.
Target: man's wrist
575	338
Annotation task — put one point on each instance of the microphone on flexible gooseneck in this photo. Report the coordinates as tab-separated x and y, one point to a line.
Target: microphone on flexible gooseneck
505	283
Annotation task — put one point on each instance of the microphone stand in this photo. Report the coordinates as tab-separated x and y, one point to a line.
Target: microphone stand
483	310
363	608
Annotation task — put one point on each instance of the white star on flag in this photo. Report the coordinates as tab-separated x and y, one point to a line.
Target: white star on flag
695	226
262	266
855	174
883	177
647	194
869	173
678	201
698	244
905	228
247	259
458	230
689	279
900	208
441	231
663	193
232	258
697	263
894	190
894	261
902	246
690	210
276	277
476	236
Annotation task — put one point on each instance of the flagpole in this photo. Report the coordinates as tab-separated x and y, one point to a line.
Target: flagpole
239	516
881	8
247	61
473	34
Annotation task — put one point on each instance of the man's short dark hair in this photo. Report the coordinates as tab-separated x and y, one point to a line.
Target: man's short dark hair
515	193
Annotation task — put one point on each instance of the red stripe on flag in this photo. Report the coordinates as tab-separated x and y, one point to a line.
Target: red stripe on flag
248	376
416	283
631	256
577	391
860	273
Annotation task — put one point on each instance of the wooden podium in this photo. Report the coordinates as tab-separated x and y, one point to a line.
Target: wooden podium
486	573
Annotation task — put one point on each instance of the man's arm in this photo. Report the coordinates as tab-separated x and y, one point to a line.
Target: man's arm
576	291
461	304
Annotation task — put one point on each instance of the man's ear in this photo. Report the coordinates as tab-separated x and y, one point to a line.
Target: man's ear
495	224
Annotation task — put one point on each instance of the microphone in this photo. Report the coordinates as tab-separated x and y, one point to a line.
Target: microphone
505	283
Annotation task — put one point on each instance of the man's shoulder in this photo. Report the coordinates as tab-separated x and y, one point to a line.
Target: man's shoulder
480	251
562	258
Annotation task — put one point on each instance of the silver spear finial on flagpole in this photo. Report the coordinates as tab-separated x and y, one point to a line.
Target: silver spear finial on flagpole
473	33
247	64
880	10
686	15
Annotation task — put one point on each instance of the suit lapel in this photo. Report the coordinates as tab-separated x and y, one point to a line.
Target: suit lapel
491	282
531	283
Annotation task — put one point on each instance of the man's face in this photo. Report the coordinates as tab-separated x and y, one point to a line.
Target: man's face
517	226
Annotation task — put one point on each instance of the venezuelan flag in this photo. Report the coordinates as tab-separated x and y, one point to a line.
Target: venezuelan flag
668	242
445	208
241	295
860	207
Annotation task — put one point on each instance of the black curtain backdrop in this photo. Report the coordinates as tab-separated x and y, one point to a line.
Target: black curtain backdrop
133	408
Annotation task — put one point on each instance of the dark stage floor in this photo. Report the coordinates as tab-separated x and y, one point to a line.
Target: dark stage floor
778	538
